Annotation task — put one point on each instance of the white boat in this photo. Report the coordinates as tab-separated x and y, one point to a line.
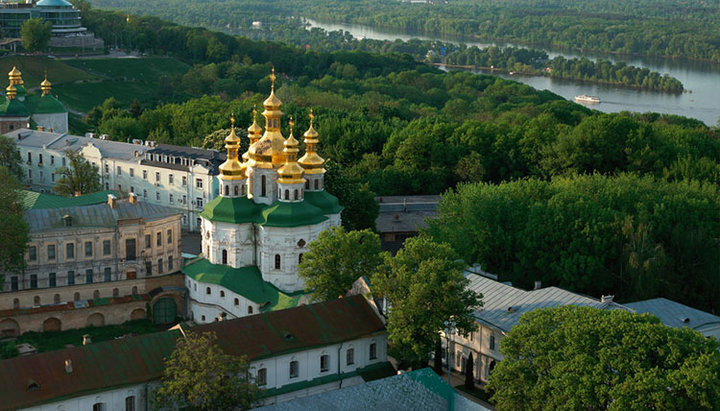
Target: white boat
587	99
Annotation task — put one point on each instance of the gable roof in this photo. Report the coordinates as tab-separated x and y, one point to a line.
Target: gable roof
674	314
110	364
503	304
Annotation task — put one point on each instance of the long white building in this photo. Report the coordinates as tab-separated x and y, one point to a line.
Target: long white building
181	178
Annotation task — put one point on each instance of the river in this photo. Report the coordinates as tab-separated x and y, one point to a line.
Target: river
702	79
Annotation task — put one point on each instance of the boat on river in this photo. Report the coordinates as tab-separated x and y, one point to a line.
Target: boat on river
587	99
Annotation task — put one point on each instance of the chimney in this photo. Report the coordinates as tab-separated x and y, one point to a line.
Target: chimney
112	201
538	285
133	198
86	339
607	299
68	366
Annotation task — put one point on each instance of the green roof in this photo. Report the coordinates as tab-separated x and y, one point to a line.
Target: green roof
245	281
13	108
46	104
328	203
232	210
34	201
281	214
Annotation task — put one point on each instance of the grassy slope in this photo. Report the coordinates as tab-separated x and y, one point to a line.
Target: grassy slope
82	84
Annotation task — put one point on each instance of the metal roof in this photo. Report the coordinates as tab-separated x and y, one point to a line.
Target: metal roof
35	200
503	305
674	314
95	215
110	364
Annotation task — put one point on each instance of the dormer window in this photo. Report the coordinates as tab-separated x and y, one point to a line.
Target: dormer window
67	220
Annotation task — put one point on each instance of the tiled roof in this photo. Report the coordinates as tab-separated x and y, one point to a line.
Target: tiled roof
245	281
674	314
33	200
100	366
503	305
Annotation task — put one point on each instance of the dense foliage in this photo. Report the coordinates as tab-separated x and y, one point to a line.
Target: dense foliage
13	228
78	177
35	34
635	237
649	27
585	358
424	286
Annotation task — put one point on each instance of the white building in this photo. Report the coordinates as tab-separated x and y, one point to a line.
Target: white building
181	178
254	234
292	353
503	305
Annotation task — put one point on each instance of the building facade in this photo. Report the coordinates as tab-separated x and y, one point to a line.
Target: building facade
270	206
180	178
292	353
79	255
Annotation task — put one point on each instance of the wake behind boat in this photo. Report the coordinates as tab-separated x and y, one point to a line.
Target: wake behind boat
587	99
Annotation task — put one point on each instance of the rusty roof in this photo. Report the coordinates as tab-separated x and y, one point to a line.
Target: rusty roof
101	366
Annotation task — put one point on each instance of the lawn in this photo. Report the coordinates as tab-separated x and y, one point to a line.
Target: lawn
33	70
84	96
144	70
50	341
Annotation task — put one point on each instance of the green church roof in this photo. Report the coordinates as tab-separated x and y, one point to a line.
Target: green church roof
232	210
13	108
328	203
245	281
46	104
281	214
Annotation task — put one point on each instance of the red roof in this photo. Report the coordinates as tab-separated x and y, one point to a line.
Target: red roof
100	366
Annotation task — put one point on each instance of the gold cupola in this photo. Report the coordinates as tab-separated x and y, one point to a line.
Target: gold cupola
15	77
254	134
311	161
268	151
291	172
45	86
11	92
232	169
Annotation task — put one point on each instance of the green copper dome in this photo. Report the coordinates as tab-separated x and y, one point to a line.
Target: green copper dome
282	214
13	108
53	3
49	105
232	210
328	203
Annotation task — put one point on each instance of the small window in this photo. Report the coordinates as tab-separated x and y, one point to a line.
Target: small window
171	198
295	194
199	183
169	236
170	263
227	190
148	267
130	401
317	184
160	266
491	342
184	181
224	256
159	239
88	249
148	241
32	253
76	297
324	363
14	284
144	174
96	294
106	247
294	369
116	292
222	294
287	194
307	184
236	302
89	276
373	351
263	188
300	256
132	172
51	251
56	299
36	301
16	303
99	406
33	281
119	170
458	359
144	193
134	290
70	250
71	278
52	160
350	356
108	274
237	191
202	318
157	177
250	309
261	378
52	280
208	291
171	180
277	261
157	196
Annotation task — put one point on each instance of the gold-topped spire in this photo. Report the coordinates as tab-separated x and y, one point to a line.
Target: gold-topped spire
272	103
268	151
291	172
311	161
45	86
11	92
254	134
232	169
15	77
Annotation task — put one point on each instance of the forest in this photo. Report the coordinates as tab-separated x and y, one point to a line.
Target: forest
628	198
291	30
668	28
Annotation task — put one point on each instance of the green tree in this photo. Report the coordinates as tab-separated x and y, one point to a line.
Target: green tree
200	376
35	34
79	177
361	209
425	287
13	228
584	358
336	259
10	157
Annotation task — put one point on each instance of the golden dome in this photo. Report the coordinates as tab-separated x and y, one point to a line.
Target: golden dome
291	172
311	161
254	129
14	72
267	152
45	86
232	169
11	91
15	76
272	103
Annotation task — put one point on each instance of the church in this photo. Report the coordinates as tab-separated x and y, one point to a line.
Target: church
271	204
19	109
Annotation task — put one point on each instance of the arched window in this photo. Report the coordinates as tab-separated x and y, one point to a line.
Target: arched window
237	191
237	301
263	188
207	290
296	194
277	261
317	183
287	194
227	191
307	184
243	190
300	258
222	294
224	256
250	309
